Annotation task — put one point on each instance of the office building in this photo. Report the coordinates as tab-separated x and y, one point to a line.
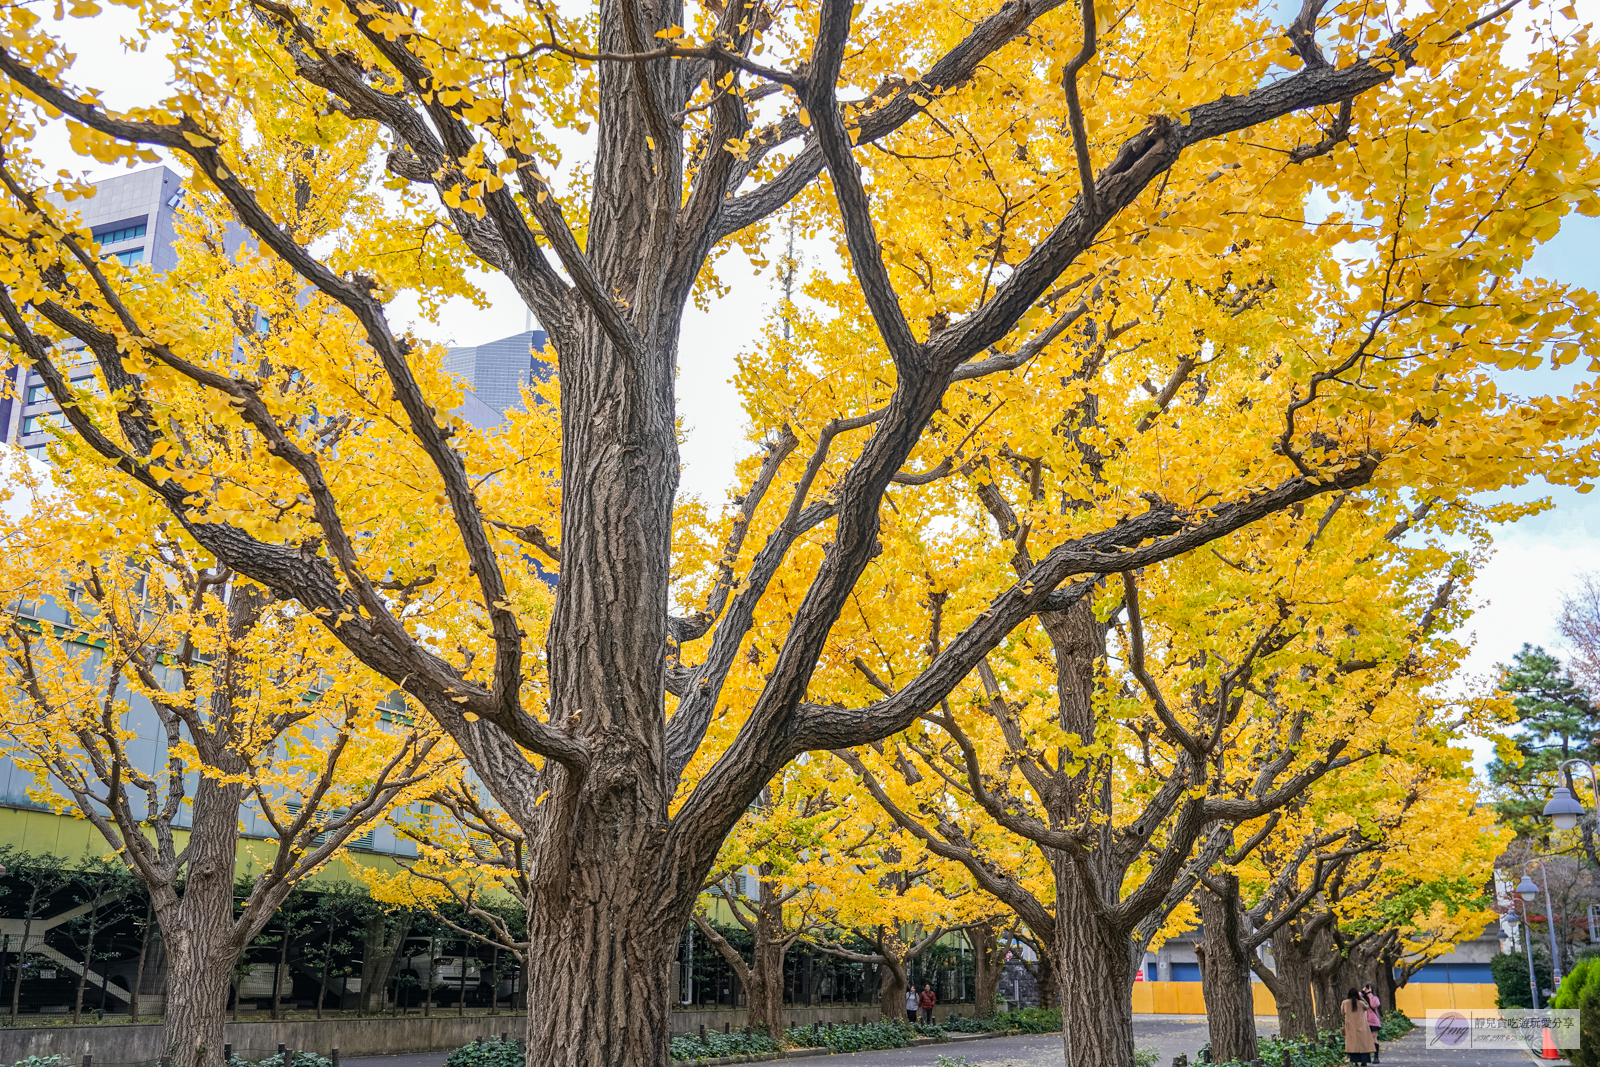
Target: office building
132	216
496	372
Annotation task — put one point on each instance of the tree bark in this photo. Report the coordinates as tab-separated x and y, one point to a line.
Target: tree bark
988	960
138	971
198	930
892	987
1327	972
598	975
199	976
1095	968
379	949
764	986
1289	981
1225	973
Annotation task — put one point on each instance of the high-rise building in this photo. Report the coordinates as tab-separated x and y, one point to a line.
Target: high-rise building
132	217
497	371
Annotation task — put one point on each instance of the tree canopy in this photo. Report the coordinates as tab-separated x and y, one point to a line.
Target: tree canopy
1119	282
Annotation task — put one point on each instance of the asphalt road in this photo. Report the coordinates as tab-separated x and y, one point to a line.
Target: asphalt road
1169	1035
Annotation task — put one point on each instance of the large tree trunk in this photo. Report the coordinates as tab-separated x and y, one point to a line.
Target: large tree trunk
202	943
988	964
1094	965
1386	985
892	988
1327	983
1225	974
199	977
598	973
385	935
764	988
1289	981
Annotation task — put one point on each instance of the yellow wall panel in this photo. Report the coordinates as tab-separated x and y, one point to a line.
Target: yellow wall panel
1264	1003
1144	998
1185	998
1190	999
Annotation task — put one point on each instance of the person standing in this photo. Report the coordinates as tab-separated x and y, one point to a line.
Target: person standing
927	1002
1358	1042
1374	1020
913	1002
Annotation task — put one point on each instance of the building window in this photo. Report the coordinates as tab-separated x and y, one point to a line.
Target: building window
122	233
128	258
40	452
39	393
366	842
40	423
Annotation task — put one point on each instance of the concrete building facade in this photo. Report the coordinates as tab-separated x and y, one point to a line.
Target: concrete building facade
133	218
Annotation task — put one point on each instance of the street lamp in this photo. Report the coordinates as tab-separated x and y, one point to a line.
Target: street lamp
1527	889
1527	943
1563	808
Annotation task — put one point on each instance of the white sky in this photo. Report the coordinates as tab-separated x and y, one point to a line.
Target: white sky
1534	561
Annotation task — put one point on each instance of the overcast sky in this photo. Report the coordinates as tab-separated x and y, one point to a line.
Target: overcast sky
1534	561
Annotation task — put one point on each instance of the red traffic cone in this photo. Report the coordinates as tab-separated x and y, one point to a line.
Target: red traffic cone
1550	1051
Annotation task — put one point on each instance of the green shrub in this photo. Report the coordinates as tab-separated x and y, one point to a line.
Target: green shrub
1571	988
1146	1057
41	1061
962	1025
487	1054
1396	1024
856	1037
1588	1005
298	1058
1031	1020
1022	1020
1296	1052
1510	970
714	1045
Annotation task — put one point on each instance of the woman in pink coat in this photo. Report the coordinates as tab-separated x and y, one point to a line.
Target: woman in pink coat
1358	1042
1374	1020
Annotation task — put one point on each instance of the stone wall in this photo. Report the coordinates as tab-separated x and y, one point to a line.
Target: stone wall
122	1044
689	1022
127	1045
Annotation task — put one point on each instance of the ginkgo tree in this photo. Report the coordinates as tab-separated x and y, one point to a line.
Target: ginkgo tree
998	178
252	702
885	901
1412	899
160	696
1411	816
1125	739
761	880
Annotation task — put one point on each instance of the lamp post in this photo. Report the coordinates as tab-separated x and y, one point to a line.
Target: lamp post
1564	810
1527	943
1526	890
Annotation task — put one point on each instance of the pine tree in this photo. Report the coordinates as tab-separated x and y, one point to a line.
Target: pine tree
1556	720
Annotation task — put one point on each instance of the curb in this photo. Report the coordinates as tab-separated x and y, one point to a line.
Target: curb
807	1053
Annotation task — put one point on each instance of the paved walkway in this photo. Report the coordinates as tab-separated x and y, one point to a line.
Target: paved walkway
1169	1035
